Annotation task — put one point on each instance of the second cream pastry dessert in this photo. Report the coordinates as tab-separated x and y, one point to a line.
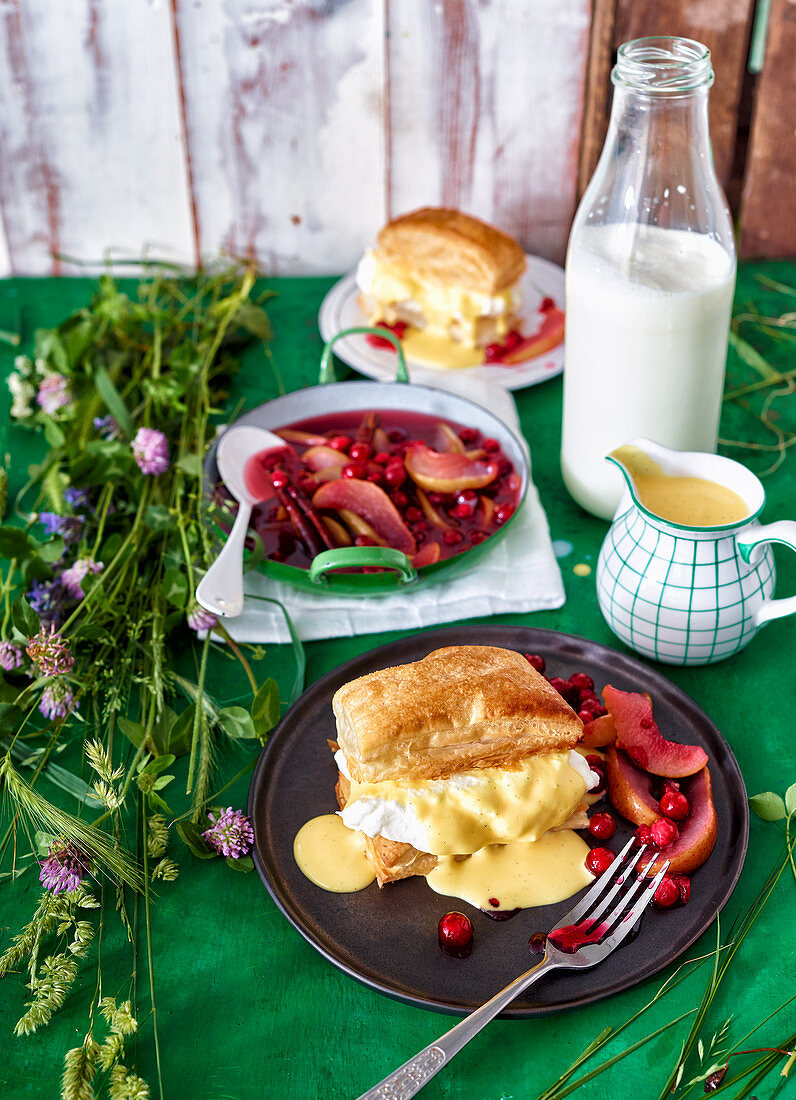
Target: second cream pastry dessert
451	277
465	749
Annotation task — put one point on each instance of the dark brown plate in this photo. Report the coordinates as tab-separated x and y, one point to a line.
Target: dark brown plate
387	938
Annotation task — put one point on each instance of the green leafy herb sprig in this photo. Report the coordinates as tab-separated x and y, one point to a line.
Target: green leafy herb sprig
100	654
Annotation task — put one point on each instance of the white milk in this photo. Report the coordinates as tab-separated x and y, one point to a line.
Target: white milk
646	342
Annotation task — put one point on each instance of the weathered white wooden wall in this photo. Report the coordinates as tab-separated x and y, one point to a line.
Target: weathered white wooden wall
286	130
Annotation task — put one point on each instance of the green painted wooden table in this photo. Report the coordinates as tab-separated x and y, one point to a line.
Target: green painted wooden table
247	1009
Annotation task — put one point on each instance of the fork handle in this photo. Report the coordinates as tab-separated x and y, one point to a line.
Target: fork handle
410	1078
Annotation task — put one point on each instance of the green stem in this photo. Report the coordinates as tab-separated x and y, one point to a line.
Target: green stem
199	714
233	645
150	961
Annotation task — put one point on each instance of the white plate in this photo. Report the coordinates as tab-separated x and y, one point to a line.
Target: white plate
542	279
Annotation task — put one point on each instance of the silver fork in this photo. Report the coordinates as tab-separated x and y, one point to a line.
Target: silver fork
617	884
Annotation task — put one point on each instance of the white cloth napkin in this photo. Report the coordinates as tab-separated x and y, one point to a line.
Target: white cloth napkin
520	574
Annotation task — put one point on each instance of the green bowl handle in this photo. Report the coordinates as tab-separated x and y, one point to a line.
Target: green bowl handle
327	370
353	557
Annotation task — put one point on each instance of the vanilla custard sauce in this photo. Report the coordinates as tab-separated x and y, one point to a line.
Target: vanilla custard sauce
332	856
689	501
516	876
434	350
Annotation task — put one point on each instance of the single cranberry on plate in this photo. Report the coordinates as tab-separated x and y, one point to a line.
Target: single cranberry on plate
360	452
581	681
354	470
491	445
537	943
455	935
468	435
599	860
535	660
340	442
663	832
602	826
667	893
642	836
674	804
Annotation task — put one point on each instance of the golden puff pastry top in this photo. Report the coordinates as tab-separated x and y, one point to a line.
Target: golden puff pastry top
452	248
459	707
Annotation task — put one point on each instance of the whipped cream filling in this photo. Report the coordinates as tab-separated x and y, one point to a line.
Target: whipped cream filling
470	809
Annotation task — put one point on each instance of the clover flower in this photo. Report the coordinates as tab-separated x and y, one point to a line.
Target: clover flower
73	577
47	598
53	393
107	426
22	394
151	451
57	701
63	869
10	656
50	651
230	834
68	527
199	618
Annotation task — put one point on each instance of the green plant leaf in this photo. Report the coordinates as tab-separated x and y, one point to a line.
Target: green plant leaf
161	782
190	465
181	732
790	799
110	395
768	806
133	731
191	834
158	517
53	434
175	587
155	802
159	764
161	733
24	617
265	708
244	864
52	551
237	723
14	542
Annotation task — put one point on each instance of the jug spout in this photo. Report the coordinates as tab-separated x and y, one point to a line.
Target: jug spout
639	459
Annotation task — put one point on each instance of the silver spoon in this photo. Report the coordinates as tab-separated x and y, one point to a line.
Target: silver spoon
221	588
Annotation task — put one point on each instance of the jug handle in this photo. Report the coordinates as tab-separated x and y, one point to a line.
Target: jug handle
784	531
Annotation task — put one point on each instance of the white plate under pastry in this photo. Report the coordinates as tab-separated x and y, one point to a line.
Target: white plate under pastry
542	279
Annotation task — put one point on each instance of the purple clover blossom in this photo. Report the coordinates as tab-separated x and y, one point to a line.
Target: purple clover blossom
151	451
50	651
53	393
47	598
11	656
107	426
68	527
57	701
230	834
76	498
73	577
63	869
201	619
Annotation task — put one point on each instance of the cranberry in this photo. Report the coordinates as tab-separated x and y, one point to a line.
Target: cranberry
399	499
364	540
382	458
663	832
451	538
537	943
513	339
495	903
421	525
667	893
582	681
674	805
599	860
493	352
602	826
536	661
354	470
467	496
360	452
585	716
375	476
396	435
455	935
468	435
340	442
461	511
307	484
642	835
546	305
503	513
413	514
565	689
477	537
599	771
684	886
491	445
395	475
279	479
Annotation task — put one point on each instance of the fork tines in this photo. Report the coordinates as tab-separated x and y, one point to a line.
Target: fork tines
618	886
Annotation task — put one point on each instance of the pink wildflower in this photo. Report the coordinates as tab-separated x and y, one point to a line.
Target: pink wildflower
57	701
50	651
72	578
63	869
151	451
53	393
230	834
201	619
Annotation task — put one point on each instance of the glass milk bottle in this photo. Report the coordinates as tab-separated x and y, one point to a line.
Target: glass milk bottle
650	275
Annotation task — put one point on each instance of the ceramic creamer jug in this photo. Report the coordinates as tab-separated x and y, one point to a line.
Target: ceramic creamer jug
686	594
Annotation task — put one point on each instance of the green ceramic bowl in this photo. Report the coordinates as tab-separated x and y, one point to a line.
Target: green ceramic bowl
330	397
